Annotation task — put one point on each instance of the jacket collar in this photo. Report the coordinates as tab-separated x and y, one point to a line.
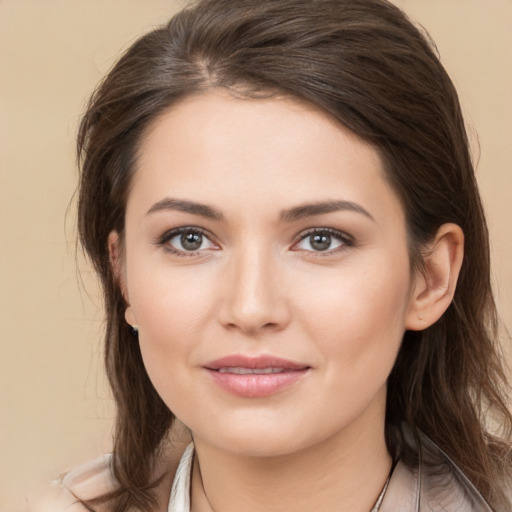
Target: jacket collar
432	483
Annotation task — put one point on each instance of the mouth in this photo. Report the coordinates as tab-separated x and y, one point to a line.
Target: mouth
250	371
253	377
266	363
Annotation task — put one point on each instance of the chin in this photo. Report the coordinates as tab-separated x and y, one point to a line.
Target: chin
263	439
263	446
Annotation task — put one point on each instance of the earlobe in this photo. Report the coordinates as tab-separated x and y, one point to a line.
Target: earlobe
116	262
434	288
129	316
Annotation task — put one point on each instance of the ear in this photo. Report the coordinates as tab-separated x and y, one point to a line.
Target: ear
434	288
115	251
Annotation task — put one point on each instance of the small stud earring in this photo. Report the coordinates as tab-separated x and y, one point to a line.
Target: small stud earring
134	329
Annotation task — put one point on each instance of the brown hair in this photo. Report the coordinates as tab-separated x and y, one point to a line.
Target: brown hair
364	63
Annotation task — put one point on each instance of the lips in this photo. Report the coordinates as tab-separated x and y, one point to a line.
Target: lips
253	377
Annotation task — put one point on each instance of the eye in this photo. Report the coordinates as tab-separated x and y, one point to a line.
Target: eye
323	240
186	240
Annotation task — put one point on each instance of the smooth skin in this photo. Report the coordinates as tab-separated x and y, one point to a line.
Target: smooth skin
264	227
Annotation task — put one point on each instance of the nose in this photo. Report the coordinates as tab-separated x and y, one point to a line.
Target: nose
254	298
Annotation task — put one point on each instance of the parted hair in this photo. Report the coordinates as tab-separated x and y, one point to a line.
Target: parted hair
364	63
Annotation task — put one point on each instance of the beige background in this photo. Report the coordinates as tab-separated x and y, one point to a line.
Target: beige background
54	406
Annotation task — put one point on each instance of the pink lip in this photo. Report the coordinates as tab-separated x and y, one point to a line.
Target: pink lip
284	374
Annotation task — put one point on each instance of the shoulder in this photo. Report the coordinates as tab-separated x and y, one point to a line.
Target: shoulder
53	498
427	480
66	494
444	485
95	478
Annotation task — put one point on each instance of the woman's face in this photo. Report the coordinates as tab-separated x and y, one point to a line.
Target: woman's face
266	268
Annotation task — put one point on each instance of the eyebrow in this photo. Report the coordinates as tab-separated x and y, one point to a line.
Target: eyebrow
321	208
290	215
186	206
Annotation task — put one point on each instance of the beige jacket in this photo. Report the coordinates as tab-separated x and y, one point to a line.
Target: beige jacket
432	483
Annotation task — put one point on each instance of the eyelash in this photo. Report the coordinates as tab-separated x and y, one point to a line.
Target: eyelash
169	235
345	239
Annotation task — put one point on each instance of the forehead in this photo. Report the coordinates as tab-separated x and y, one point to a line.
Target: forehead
275	152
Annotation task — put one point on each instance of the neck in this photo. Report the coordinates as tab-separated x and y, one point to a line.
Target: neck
344	473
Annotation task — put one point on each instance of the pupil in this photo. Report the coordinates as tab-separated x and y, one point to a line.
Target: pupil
321	242
191	241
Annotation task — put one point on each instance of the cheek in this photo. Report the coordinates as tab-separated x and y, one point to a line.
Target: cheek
173	308
358	316
169	300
